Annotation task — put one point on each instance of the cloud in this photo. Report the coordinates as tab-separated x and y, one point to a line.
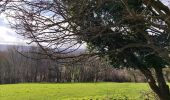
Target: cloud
8	35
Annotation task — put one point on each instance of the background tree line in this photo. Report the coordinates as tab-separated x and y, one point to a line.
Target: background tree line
15	68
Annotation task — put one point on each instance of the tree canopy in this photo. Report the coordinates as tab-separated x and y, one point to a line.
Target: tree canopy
125	31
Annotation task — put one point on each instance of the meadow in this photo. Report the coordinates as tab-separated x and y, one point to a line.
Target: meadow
73	91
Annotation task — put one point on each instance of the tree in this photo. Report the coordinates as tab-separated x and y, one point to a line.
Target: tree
131	33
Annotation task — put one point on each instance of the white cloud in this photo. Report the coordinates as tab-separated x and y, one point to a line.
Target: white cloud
8	35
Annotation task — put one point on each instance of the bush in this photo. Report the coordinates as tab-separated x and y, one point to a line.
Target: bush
149	95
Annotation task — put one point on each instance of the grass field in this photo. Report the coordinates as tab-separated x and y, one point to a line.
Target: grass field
73	91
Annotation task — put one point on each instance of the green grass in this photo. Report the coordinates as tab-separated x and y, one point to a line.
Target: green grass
72	91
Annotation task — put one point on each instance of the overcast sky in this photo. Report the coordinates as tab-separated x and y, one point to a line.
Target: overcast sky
8	36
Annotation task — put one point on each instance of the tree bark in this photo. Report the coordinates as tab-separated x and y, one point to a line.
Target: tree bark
151	81
164	88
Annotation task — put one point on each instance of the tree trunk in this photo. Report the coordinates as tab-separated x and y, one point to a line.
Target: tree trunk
164	88
151	81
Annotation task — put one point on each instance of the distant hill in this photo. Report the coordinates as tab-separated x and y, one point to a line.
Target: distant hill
5	47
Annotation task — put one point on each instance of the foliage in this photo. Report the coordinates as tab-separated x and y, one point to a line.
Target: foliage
149	95
108	27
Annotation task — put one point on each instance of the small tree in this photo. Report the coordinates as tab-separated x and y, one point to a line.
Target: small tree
131	33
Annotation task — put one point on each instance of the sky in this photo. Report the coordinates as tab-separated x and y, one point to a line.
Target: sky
8	36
